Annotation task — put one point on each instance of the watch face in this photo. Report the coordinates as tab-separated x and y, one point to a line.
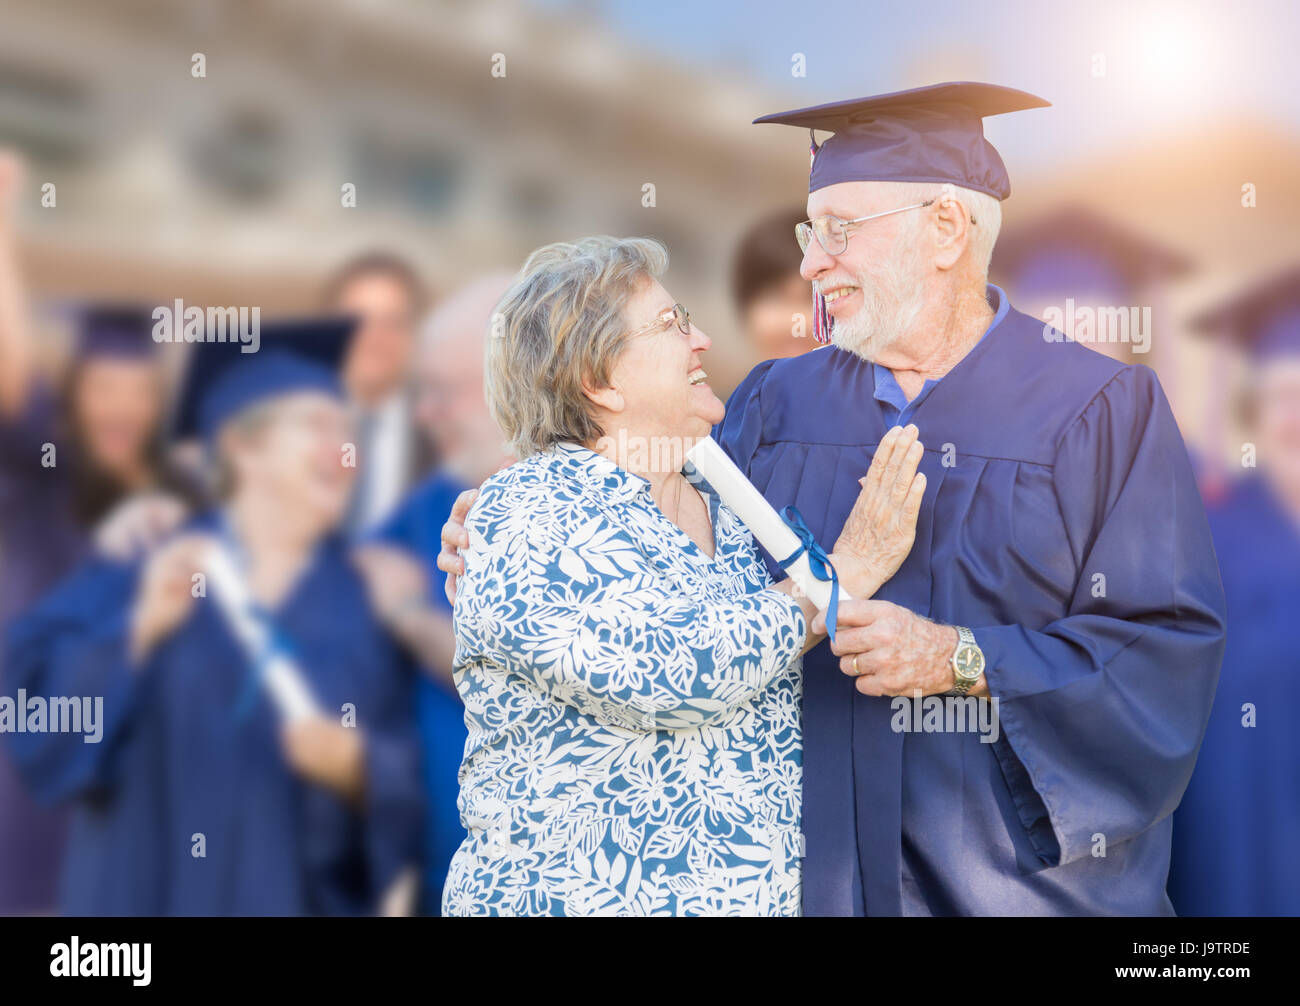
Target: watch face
969	662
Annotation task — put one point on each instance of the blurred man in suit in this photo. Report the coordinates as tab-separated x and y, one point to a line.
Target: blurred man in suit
387	297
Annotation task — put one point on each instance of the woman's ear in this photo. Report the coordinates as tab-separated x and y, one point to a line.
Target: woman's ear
609	399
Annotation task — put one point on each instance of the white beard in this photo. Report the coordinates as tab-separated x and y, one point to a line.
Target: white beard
891	303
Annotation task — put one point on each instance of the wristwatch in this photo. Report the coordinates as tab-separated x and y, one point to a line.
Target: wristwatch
967	661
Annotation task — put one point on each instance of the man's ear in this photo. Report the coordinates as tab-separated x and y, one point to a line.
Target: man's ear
953	224
610	399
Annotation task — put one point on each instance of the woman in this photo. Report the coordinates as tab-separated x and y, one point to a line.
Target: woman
68	455
629	671
200	797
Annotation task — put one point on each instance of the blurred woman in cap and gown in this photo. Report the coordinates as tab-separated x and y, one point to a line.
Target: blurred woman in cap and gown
200	797
1237	831
1084	273
69	454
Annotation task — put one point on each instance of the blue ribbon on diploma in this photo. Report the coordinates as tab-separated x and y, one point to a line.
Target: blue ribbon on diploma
818	561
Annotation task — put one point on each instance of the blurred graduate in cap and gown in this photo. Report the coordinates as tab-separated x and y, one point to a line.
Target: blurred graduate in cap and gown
1092	279
1062	563
1237	832
205	792
69	454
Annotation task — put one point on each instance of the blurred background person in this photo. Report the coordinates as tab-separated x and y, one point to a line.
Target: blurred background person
1084	273
773	301
454	416
200	797
1237	831
71	450
387	297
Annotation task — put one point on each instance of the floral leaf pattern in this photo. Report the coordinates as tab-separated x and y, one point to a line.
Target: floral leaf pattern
633	705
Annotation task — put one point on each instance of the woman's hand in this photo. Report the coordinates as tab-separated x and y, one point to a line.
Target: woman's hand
881	528
328	754
137	525
166	592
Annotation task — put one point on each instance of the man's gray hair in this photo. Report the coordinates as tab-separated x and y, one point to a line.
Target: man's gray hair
984	209
559	325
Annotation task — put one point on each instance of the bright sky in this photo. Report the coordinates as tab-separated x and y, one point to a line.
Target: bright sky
1165	62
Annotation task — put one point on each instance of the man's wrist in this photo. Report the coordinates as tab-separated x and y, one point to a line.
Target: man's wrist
856	575
947	646
962	645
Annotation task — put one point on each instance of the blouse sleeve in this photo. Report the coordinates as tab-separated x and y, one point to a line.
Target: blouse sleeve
561	596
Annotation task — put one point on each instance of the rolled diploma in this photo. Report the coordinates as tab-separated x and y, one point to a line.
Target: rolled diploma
764	523
284	683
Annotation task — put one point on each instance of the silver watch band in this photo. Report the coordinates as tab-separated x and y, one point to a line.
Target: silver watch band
962	685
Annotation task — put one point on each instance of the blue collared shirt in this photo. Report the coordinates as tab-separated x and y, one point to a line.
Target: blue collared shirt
894	406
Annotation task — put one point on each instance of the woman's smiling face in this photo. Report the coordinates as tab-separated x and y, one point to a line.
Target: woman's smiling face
660	373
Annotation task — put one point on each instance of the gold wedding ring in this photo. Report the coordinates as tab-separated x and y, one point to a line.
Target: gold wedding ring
856	672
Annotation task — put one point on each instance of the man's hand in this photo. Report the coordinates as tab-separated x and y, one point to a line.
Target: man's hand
454	536
395	583
327	753
881	528
897	652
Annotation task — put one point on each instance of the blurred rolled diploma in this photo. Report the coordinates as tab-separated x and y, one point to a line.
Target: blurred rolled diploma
283	681
764	523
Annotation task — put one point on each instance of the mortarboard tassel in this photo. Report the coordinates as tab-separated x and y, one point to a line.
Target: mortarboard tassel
822	320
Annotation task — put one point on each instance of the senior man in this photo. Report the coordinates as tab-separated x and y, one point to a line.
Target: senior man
1062	569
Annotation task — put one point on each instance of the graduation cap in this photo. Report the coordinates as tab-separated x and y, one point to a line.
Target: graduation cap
1076	248
123	330
926	134
1264	318
222	380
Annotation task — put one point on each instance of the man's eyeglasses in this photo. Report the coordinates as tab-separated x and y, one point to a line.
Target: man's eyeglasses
677	314
832	233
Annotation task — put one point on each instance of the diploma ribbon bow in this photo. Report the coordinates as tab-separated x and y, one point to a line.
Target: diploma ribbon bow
818	562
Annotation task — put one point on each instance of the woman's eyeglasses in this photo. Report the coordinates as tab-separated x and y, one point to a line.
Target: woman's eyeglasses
832	233
677	314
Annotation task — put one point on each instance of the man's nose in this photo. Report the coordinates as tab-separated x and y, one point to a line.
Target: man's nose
815	261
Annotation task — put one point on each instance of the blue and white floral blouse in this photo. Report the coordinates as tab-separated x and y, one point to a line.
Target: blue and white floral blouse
632	705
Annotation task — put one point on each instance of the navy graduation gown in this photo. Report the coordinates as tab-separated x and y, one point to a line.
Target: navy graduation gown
189	748
1237	832
1063	464
41	539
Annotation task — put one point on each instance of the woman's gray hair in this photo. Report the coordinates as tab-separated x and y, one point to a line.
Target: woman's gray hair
244	425
562	323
